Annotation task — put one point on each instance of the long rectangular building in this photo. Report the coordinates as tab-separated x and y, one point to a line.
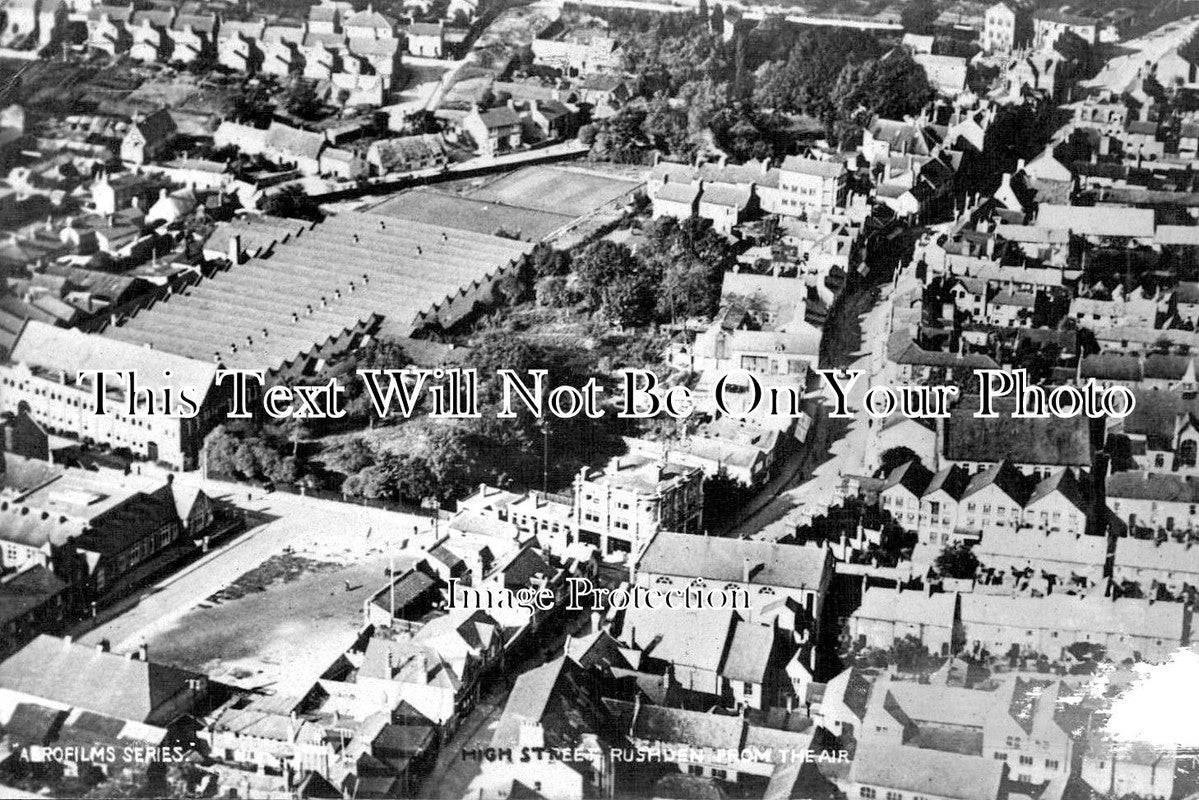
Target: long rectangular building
313	296
43	375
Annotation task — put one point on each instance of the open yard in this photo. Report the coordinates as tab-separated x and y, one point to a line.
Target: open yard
278	626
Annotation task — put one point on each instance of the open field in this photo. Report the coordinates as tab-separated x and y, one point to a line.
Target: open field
555	190
529	203
278	626
464	213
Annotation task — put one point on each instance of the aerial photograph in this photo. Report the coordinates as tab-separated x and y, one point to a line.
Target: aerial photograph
599	399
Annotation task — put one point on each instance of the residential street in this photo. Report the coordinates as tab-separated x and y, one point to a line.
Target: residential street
834	448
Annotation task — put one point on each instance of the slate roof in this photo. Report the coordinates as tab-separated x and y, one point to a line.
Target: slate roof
69	351
722	560
728	196
1138	485
679	726
1105	221
26	590
156	127
929	772
1078	614
749	652
678	193
913	476
84	677
812	166
499	117
915	607
1004	476
1048	442
413	272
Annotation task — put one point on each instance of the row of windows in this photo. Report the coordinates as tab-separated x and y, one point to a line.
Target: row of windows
869	792
1027	761
666	579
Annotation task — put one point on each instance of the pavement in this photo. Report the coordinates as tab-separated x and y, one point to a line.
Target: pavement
317	527
833	449
1119	73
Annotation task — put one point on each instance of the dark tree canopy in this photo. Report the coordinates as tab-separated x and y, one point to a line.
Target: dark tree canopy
957	561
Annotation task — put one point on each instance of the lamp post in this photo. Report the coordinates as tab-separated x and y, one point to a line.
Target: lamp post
545	455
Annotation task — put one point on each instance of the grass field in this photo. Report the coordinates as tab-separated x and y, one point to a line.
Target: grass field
554	189
472	214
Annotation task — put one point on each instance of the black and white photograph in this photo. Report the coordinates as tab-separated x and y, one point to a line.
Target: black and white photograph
599	399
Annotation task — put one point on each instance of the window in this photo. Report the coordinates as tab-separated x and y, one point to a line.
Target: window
1000	756
1187	453
719	774
894	796
1051	763
867	792
1026	760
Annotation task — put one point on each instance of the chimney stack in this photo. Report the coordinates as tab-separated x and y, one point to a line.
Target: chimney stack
234	254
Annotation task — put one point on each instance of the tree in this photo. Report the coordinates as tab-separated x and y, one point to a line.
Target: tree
252	105
300	100
245	460
349	456
691	257
291	201
220	449
895	457
957	561
666	127
892	87
621	138
619	287
549	261
918	16
716	20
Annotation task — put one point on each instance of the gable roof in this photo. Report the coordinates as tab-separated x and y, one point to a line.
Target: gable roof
85	677
1105	221
749	653
156	127
1045	442
70	351
924	771
1004	476
912	475
721	560
916	607
812	166
1064	482
499	117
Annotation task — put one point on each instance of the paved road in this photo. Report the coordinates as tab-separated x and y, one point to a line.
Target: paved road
834	448
291	520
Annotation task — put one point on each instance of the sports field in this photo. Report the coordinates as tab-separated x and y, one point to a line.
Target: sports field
529	203
558	190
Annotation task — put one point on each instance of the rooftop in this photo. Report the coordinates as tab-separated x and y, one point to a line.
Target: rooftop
722	560
331	279
85	677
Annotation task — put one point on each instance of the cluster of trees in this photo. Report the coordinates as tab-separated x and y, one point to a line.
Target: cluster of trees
744	96
251	457
446	458
676	274
957	561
